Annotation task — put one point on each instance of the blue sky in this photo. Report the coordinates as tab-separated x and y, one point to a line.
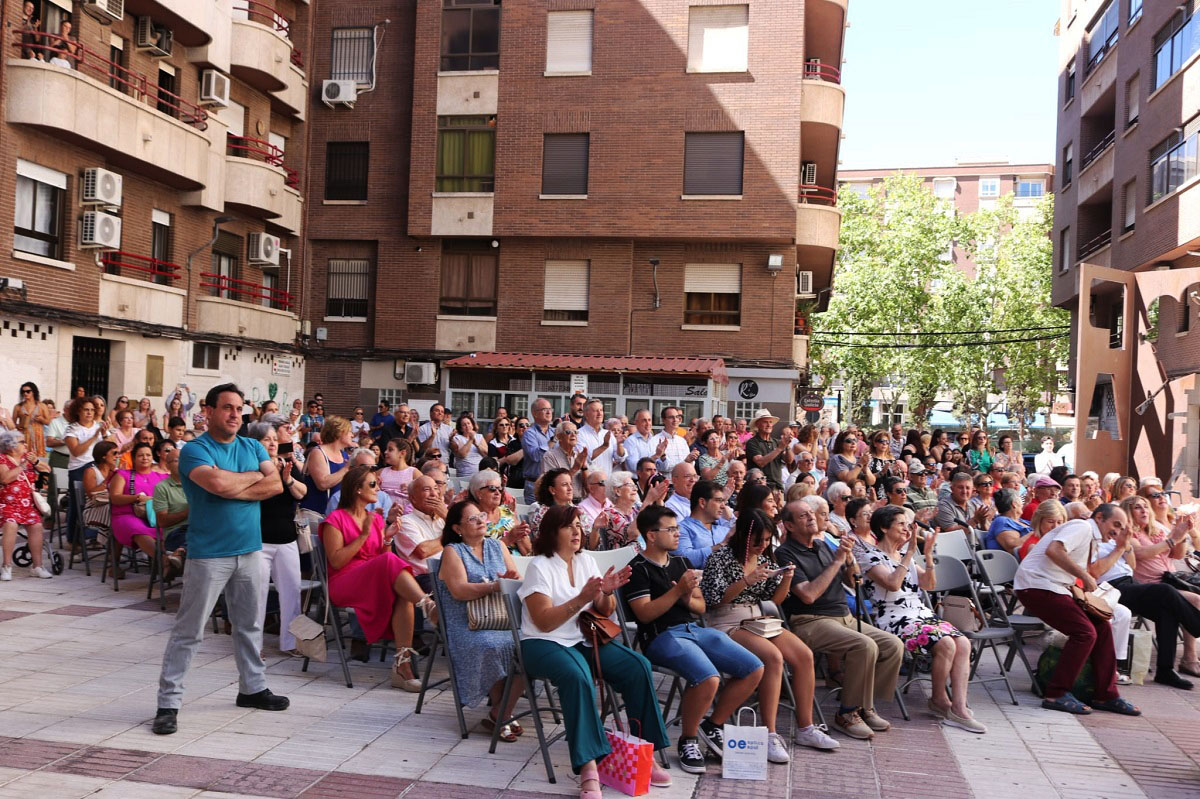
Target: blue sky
932	81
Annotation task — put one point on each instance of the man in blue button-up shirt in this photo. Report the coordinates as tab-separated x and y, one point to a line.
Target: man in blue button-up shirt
535	442
705	530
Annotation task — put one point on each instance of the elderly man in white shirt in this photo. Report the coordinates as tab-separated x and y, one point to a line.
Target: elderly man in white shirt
419	536
602	446
669	448
683	477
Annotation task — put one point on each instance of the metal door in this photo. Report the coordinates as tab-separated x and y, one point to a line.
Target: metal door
89	365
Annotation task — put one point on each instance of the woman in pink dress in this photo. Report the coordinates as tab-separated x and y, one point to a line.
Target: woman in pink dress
365	574
129	489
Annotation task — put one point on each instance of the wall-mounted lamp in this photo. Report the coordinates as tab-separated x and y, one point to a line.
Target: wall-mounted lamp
774	263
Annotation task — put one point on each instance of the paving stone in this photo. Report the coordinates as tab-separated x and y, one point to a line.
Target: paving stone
78	610
191	772
101	761
435	790
31	754
266	780
359	786
9	615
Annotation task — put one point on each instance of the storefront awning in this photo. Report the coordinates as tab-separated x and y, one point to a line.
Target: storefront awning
713	368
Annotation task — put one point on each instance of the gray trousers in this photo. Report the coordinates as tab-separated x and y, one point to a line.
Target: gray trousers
241	578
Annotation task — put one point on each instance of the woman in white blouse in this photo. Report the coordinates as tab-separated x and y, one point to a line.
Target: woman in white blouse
561	582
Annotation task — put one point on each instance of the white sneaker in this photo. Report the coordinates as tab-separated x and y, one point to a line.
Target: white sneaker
777	750
814	737
5	573
40	571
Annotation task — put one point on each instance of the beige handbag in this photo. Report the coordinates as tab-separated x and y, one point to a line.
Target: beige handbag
310	637
961	612
488	612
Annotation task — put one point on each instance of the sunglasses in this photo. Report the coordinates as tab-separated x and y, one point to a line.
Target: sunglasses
27	391
985	484
1157	496
493	489
372	484
436	454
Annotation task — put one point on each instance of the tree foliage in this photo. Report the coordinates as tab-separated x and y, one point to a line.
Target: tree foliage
895	273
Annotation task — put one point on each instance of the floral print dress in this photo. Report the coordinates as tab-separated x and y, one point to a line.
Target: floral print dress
902	612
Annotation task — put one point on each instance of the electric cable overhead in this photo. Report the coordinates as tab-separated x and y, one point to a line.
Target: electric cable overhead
937	346
942	332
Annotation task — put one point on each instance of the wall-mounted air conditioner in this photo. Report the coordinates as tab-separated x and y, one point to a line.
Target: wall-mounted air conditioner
420	374
106	10
263	249
804	283
99	229
101	187
339	92
153	38
214	88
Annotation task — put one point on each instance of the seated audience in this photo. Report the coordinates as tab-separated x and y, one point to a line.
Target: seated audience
385	504
704	529
683	477
171	513
561	581
398	474
486	492
555	487
129	494
1006	532
614	527
596	500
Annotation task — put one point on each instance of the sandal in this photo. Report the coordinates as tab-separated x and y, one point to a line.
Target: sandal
506	732
590	776
1067	704
1190	667
516	728
429	608
1117	705
399	680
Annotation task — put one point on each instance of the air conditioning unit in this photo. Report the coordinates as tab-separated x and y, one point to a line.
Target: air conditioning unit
812	68
101	187
99	229
808	173
214	88
153	38
422	374
804	283
106	10
263	248
339	92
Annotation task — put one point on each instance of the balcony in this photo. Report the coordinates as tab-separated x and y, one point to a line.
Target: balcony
822	99
241	308
138	288
818	219
462	214
262	54
1089	249
258	183
1100	80
110	110
192	24
1096	169
800	351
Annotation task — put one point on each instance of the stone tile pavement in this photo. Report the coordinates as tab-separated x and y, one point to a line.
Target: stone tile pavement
79	666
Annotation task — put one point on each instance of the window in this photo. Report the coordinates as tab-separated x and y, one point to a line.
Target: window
168	103
565	163
227	266
347	164
718	38
863	190
1102	35
466	154
891	413
1064	250
569	42
1068	165
1135	11
348	287
468	278
392	396
1175	43
353	55
54	14
744	410
1185	316
565	297
712	163
1173	162
1069	83
206	356
713	294
1030	187
160	242
37	221
1130	202
117	75
943	188
270	292
470	35
989	187
1132	102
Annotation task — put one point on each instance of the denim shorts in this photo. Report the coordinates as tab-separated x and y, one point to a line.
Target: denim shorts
699	653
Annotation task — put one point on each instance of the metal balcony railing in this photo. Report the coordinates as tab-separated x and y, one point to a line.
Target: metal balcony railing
265	14
1099	149
1095	244
264	151
231	288
817	195
825	72
115	262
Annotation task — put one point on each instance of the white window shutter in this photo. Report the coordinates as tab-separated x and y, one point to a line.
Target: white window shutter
566	287
712	278
569	41
719	38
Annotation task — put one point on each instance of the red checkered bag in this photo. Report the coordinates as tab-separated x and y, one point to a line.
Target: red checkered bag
628	767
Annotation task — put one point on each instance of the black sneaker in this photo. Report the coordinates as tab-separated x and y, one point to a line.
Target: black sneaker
263	700
165	721
714	737
691	759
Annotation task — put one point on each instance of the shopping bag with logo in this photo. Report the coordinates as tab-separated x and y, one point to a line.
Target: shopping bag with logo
628	768
745	755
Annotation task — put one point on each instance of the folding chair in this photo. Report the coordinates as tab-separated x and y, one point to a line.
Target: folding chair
954	544
60	497
677	687
521	562
334	613
998	569
616	558
77	535
442	596
156	569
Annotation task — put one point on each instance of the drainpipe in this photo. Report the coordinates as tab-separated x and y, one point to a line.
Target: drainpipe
216	231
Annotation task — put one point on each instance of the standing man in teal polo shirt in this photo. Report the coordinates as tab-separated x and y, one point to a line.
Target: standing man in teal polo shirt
224	477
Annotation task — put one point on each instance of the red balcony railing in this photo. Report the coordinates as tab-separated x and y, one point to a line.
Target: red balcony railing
825	72
97	67
264	151
265	14
231	288
115	262
817	195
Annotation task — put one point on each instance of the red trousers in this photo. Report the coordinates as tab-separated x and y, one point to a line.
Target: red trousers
1086	638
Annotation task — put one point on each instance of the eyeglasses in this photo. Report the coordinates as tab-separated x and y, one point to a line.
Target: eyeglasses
899	489
371	484
493	489
1157	496
597	483
985	484
665	530
522	424
478	518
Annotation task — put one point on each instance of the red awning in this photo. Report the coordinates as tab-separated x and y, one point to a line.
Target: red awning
713	368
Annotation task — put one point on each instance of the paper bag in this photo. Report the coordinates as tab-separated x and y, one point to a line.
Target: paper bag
1140	647
628	768
745	756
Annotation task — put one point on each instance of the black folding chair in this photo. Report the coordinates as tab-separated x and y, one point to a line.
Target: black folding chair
442	596
334	617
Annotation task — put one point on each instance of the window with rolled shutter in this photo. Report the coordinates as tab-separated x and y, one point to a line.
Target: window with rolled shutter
565	163
712	163
568	42
566	291
713	294
718	38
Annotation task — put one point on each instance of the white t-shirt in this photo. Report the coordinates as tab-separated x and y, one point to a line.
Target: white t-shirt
441	438
549	576
82	434
467	465
415	529
1038	571
358	428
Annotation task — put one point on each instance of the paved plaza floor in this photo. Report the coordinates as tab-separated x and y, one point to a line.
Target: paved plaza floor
79	666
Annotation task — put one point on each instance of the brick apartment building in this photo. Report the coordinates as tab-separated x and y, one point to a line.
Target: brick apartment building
152	164
1127	232
628	197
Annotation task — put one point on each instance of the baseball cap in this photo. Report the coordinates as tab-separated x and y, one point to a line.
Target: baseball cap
915	467
1044	480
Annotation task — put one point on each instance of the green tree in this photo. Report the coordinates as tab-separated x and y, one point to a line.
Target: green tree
895	274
